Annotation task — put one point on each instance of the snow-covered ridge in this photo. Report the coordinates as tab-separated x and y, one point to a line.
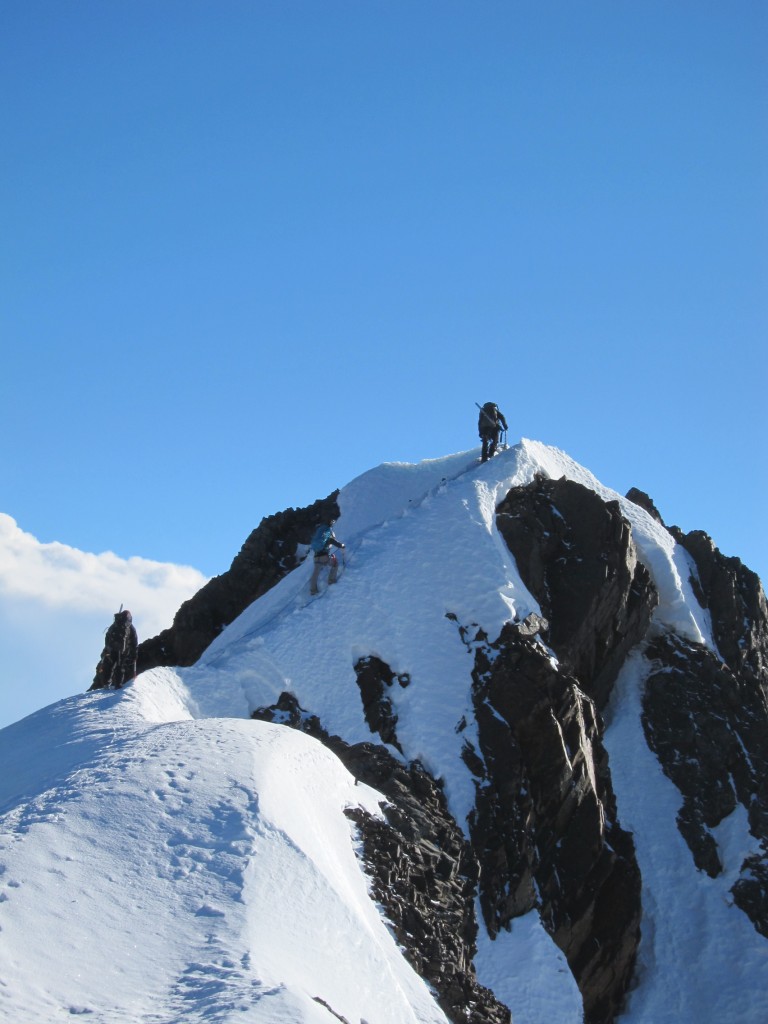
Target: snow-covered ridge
394	489
203	861
192	868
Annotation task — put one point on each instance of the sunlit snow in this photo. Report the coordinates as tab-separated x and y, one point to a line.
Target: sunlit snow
165	859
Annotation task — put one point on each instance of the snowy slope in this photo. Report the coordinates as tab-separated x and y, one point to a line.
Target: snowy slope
192	861
161	868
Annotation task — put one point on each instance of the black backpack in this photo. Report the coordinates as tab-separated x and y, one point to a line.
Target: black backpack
489	418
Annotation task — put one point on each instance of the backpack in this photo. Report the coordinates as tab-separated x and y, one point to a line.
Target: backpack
320	539
488	418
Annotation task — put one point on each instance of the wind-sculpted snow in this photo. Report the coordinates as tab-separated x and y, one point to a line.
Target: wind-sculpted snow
189	870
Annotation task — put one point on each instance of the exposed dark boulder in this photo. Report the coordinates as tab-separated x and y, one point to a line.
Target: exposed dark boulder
545	828
269	554
422	869
686	723
750	892
375	677
576	555
288	711
707	719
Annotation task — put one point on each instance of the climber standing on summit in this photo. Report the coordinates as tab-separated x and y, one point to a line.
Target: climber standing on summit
322	541
490	422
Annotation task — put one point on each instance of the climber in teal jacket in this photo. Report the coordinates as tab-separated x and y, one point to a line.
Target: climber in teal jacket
323	540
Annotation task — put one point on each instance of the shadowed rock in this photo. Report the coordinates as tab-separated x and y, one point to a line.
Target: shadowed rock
576	555
545	830
706	719
644	500
736	602
708	726
375	677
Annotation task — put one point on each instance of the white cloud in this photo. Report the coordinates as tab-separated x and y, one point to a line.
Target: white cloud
56	602
59	576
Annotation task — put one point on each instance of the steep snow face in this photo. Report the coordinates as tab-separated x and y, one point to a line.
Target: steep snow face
163	868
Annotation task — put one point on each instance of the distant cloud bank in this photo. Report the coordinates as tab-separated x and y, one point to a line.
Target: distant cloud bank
57	575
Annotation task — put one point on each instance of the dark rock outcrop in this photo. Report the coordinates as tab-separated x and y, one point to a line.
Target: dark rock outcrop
288	711
576	555
423	871
634	494
706	719
708	726
269	554
375	677
736	602
750	891
545	829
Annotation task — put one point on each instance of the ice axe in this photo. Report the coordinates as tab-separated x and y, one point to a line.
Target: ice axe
487	416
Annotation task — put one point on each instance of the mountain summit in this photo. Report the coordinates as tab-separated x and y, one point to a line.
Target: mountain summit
512	765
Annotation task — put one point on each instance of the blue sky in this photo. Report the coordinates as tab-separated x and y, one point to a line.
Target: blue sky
252	249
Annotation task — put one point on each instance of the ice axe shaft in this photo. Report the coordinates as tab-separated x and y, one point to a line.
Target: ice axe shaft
487	416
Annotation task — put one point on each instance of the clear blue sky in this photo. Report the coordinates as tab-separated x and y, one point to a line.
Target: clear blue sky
251	249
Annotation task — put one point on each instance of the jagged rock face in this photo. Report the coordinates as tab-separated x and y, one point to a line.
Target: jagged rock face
545	827
422	869
736	602
707	720
576	555
708	726
545	818
645	501
701	721
269	554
